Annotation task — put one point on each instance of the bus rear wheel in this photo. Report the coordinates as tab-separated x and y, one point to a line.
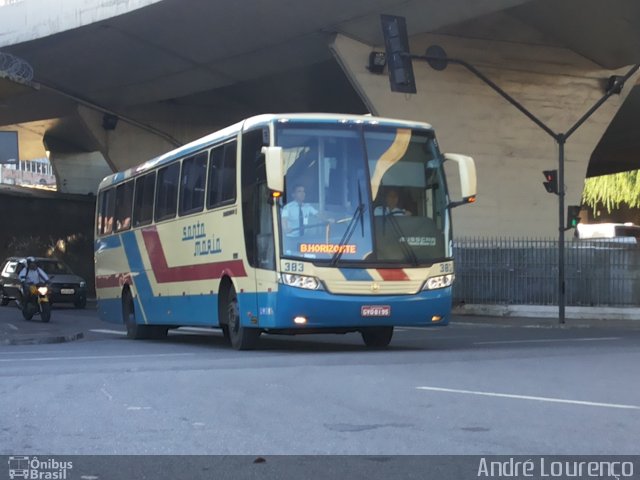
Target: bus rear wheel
377	337
241	338
134	330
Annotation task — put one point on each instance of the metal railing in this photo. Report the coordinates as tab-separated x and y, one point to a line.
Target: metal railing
525	272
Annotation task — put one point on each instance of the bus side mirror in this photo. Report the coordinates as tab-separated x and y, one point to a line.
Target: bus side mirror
274	163
467	171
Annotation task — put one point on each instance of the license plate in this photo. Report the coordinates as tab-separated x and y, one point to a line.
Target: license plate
67	291
375	311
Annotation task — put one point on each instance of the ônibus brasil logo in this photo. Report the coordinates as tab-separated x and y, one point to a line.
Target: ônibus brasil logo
38	469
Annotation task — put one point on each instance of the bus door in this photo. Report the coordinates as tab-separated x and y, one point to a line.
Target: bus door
266	276
258	225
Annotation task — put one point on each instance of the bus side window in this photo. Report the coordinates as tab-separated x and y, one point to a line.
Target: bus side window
228	182
108	207
222	175
100	201
192	183
124	194
167	192
143	200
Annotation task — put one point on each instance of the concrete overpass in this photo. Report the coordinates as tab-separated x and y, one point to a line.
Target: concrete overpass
117	82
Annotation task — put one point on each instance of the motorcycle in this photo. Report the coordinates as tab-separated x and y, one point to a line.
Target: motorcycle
37	302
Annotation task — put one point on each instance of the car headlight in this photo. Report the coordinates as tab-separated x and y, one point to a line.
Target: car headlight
83	284
441	281
43	290
301	281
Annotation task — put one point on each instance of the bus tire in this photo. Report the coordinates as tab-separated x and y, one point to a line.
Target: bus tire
241	338
377	337
225	332
134	331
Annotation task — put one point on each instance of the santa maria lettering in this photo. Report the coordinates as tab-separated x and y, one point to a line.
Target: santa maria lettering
203	243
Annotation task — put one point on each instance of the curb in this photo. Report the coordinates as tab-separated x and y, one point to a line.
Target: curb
550	311
26	340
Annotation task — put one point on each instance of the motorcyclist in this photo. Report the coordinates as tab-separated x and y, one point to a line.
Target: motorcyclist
31	274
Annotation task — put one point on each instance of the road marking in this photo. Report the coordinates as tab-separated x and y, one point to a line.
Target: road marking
12	326
94	357
546	340
25	352
107	394
114	332
528	397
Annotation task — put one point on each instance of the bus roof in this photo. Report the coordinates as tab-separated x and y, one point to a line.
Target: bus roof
253	122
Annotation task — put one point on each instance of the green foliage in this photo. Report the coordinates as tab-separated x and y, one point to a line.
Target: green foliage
611	191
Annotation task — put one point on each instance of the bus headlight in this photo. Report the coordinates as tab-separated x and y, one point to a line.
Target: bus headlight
441	281
301	281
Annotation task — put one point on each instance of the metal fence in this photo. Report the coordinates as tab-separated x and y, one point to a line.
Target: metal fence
525	272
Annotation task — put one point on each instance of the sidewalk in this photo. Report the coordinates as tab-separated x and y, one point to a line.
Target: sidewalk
66	325
550	311
547	316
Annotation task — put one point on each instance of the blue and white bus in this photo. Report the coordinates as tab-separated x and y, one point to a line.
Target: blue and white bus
283	224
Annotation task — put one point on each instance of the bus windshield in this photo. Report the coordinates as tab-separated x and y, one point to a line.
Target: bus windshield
362	194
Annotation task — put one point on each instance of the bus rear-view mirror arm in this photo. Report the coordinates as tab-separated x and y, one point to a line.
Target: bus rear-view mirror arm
468	181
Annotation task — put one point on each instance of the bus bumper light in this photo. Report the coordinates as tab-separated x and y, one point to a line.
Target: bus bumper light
300	320
436	318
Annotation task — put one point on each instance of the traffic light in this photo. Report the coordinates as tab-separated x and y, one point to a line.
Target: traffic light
396	43
573	216
552	180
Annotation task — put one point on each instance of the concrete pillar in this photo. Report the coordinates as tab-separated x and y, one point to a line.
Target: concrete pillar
79	172
556	84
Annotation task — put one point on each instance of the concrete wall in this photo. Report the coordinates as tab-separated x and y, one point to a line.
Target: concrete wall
556	84
24	20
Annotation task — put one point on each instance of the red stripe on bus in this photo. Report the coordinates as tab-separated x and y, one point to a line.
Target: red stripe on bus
186	273
112	281
392	274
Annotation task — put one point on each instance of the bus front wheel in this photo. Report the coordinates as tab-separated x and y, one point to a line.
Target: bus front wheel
241	338
377	337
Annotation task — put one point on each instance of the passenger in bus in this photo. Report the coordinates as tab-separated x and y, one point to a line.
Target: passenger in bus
391	205
108	224
295	214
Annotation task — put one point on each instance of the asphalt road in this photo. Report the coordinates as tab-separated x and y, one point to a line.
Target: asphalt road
470	388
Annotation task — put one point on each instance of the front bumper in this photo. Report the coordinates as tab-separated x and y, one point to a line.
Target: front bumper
325	310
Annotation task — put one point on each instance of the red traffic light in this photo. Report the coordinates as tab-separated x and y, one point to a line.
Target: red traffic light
551	185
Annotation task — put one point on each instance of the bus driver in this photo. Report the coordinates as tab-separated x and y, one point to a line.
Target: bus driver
295	214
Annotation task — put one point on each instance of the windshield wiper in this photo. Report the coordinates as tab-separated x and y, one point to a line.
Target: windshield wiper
408	251
359	213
